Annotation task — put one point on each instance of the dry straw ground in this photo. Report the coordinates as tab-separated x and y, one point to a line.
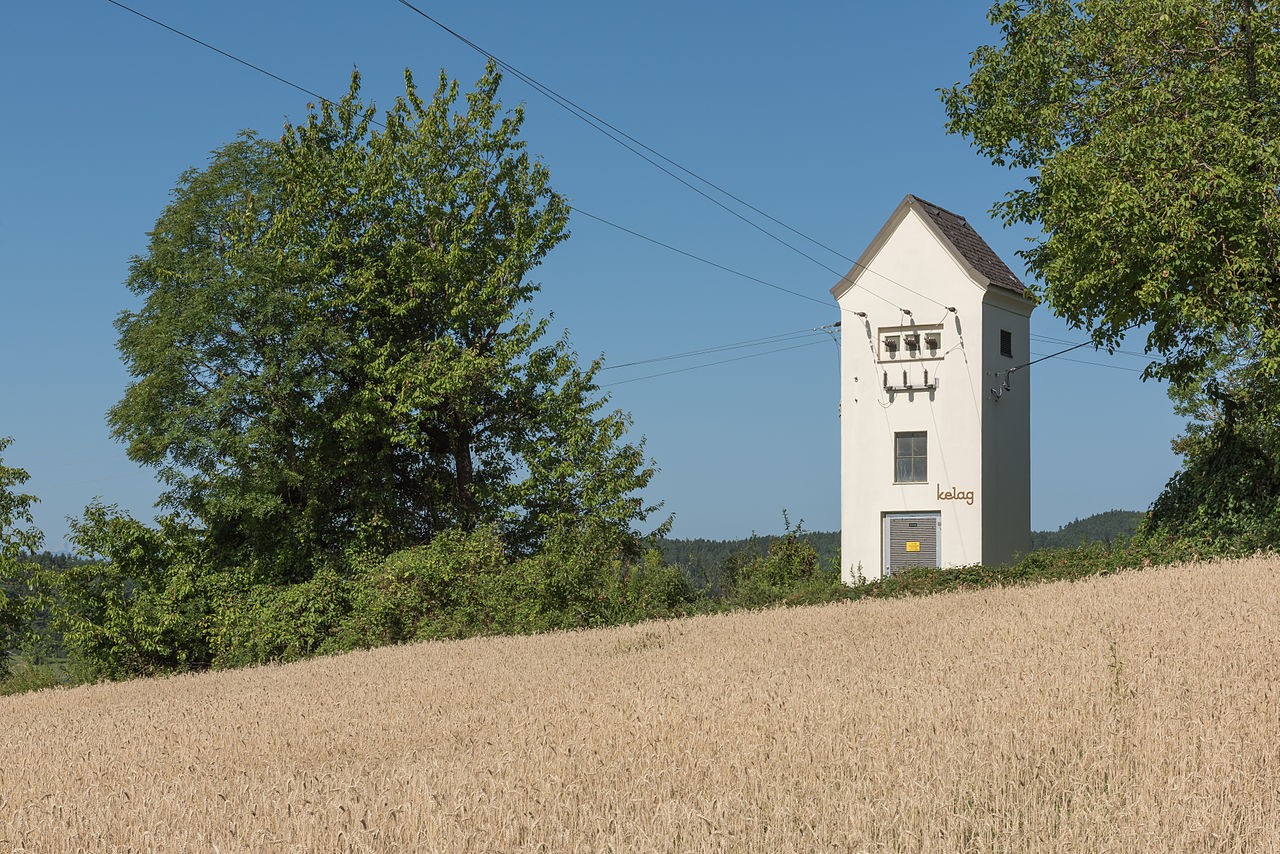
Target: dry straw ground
1132	713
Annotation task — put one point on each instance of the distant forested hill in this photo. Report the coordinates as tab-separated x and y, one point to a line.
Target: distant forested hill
1098	528
704	561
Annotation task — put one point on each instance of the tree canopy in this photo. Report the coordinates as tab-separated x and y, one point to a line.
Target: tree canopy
1148	132
1149	137
336	347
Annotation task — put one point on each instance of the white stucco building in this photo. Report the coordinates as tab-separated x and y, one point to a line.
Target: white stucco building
935	427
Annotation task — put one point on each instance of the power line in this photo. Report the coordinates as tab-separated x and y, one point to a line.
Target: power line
718	266
795	335
704	351
1060	352
583	113
619	136
587	116
633	145
720	348
712	364
600	219
569	105
1045	358
603	127
1102	365
686	254
221	52
1064	341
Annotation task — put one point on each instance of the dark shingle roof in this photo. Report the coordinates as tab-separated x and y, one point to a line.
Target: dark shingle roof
970	246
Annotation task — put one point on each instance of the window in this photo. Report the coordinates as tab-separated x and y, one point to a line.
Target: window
891	346
1006	343
910	457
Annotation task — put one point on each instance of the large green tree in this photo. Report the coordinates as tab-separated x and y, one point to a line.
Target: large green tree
336	347
1148	132
18	537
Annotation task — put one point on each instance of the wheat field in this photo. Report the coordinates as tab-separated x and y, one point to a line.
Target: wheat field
1132	713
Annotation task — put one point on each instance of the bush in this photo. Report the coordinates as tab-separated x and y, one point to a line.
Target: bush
1226	498
583	578
789	573
154	605
269	623
462	584
1038	567
442	589
21	677
143	609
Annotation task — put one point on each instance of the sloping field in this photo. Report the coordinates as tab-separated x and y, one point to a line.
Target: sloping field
1132	713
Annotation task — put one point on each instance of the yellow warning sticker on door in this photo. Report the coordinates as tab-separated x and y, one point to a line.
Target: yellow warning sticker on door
913	546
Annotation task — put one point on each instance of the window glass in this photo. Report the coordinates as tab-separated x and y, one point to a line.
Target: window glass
910	457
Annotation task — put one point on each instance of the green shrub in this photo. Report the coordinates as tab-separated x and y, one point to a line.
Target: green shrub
462	584
267	623
1226	498
650	588
443	589
143	607
789	573
21	677
1038	567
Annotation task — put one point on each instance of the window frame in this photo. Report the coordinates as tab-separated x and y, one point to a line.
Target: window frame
917	459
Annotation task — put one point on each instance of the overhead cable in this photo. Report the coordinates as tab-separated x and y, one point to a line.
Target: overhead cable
1064	341
1101	365
221	52
585	113
712	364
324	100
633	145
587	116
720	348
678	251
569	105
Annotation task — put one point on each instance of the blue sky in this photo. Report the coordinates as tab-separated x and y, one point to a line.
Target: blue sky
822	114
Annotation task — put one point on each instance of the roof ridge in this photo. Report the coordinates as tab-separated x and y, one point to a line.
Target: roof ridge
928	203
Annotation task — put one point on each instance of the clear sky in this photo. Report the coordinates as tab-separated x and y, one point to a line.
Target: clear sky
822	114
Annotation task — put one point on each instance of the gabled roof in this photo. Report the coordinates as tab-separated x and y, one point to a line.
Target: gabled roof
969	245
955	234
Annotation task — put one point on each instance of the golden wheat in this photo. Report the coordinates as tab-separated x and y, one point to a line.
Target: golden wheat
1132	713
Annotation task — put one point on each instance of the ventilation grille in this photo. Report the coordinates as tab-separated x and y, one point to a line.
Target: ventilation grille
913	541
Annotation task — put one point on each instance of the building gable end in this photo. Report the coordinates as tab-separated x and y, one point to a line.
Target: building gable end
971	253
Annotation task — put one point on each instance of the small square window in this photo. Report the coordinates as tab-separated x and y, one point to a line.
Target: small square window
1006	343
891	346
910	457
913	343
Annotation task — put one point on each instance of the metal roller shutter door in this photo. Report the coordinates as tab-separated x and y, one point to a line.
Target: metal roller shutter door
912	541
